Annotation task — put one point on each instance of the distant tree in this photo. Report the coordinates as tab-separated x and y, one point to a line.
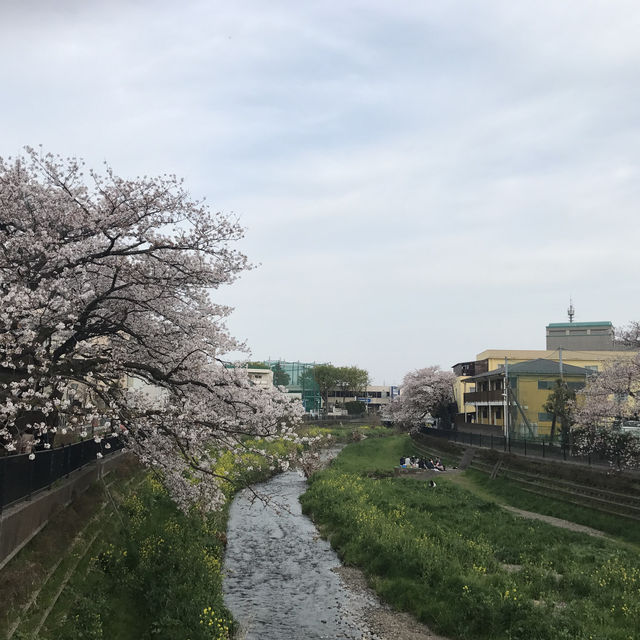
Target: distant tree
609	399
445	414
327	377
629	336
560	404
611	396
620	448
280	377
306	378
353	379
355	407
424	393
257	365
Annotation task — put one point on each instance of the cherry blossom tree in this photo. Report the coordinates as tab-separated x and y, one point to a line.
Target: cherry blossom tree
105	287
424	393
609	399
629	336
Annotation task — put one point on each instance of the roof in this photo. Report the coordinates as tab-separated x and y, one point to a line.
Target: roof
547	367
539	367
567	354
568	325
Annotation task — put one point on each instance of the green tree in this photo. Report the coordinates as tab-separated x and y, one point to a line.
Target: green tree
257	365
327	377
280	377
353	379
560	405
355	408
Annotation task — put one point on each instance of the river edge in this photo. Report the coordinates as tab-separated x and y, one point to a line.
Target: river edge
363	613
383	622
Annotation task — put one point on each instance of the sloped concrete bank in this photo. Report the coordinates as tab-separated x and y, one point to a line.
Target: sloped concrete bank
21	522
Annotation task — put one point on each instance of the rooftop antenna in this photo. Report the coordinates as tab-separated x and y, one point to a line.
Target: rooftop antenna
571	311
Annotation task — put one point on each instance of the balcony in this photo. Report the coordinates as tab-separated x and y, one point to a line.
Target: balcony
484	396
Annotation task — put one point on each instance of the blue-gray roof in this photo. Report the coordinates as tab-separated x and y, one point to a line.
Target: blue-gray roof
540	367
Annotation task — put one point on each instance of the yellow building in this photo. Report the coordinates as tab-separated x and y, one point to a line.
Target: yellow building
530	383
491	359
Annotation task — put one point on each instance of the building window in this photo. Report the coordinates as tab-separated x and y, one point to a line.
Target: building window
498	413
545	417
545	384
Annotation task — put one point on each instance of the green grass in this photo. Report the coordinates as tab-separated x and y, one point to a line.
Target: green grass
34	564
158	576
508	492
346	433
375	455
465	566
153	572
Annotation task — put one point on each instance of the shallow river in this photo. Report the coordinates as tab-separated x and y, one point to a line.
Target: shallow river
279	581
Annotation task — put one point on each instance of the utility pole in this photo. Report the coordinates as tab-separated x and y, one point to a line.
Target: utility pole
561	373
506	401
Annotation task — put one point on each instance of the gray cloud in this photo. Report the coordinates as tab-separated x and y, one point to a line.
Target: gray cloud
419	181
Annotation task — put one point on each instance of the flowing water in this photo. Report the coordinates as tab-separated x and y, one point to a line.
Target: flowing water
279	581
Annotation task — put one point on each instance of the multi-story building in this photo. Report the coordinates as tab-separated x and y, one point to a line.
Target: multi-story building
529	386
585	345
575	336
375	397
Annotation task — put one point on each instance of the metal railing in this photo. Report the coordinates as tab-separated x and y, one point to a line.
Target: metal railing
522	446
494	395
24	474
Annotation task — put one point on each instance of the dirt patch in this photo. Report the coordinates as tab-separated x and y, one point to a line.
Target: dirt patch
380	620
511	568
556	522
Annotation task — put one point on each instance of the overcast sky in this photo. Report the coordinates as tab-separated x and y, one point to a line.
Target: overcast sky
419	181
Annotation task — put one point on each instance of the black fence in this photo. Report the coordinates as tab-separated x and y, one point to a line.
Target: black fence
24	474
520	446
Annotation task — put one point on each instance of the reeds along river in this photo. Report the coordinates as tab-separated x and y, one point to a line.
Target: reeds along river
279	581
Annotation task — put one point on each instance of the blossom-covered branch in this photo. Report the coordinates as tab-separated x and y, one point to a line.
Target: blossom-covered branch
610	400
105	287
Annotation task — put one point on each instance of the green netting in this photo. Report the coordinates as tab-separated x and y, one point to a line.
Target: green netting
300	381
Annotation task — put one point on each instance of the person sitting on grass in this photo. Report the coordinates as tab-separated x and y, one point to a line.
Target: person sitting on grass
439	466
429	464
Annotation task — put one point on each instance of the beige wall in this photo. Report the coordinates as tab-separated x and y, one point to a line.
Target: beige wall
261	377
377	403
577	358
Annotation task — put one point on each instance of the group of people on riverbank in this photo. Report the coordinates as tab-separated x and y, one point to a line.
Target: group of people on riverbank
412	462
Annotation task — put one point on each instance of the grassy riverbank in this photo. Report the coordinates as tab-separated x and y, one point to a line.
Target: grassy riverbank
126	563
463	565
133	566
507	492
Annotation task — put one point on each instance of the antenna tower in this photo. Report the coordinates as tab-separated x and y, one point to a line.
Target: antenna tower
571	311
